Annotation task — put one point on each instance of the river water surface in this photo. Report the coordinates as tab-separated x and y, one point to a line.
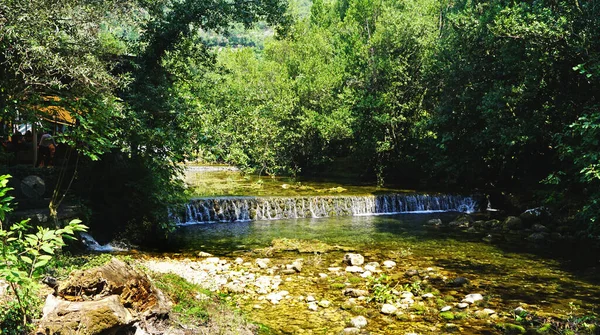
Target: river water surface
508	270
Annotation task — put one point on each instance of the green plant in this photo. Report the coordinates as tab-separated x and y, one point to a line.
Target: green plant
23	258
380	289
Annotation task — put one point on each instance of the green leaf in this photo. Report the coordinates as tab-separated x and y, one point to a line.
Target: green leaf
40	264
26	259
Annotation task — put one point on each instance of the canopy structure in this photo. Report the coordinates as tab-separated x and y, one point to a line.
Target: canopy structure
55	113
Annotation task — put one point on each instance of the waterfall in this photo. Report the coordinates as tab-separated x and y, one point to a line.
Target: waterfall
231	209
93	245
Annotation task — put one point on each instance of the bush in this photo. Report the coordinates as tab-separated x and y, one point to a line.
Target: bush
23	258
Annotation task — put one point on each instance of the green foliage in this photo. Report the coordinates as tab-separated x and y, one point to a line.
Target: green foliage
23	258
189	308
380	290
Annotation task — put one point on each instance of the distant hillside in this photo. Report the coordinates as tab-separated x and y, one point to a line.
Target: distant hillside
255	37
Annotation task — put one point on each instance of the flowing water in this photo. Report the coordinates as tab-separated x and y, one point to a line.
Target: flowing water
506	269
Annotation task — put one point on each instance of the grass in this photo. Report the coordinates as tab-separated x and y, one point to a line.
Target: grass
203	311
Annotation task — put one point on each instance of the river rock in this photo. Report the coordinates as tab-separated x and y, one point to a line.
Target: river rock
406	295
411	273
462	305
460	281
492	224
434	222
234	288
488	311
366	274
85	317
445	308
263	263
288	271
297	265
239	261
512	223
313	306
354	269
351	331
537	237
389	264
388	309
354	259
474	297
370	268
359	321
324	303
427	296
310	298
353	292
534	214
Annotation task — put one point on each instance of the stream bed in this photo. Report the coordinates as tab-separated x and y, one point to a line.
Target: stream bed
343	272
522	283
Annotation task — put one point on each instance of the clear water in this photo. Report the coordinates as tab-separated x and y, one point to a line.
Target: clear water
553	281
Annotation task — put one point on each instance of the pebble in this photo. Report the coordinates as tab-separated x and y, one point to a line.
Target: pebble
334	269
366	274
354	259
263	263
406	294
427	296
239	261
297	265
354	269
474	297
489	311
313	306
388	309
462	305
389	264
351	330
359	321
468	301
323	275
310	298
353	292
204	254
370	267
324	303
446	308
212	260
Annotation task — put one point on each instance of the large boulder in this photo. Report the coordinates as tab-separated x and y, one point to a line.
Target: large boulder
106	316
109	299
512	223
534	215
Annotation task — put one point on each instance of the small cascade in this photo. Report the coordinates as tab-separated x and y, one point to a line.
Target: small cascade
231	209
93	245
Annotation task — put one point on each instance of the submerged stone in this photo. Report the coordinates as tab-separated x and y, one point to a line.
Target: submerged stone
388	309
354	269
354	259
389	264
359	321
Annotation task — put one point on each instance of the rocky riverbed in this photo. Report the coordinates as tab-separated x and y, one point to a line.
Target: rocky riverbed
294	289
